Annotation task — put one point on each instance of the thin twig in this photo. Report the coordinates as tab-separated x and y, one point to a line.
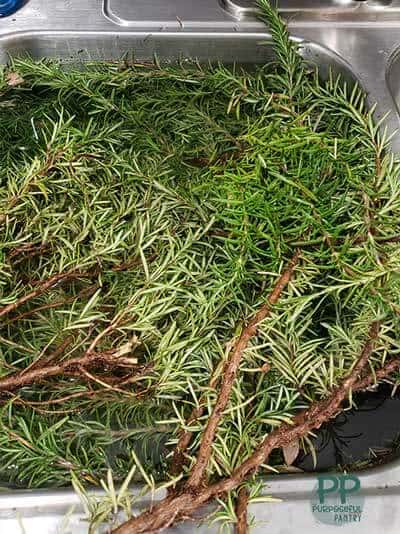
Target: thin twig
87	292
341	241
41	288
49	165
39	362
106	385
90	394
27	251
100	336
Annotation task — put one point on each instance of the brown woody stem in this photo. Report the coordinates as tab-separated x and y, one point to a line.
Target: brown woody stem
116	357
176	507
231	371
178	458
84	293
241	511
373	378
41	288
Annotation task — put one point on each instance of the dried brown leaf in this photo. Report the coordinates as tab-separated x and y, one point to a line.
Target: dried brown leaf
14	79
291	452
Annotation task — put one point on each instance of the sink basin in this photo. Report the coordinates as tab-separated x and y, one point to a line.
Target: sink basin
351	37
244	7
393	78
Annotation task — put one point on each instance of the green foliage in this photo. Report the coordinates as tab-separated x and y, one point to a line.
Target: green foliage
179	193
291	73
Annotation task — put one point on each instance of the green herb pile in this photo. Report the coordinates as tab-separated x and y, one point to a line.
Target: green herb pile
146	213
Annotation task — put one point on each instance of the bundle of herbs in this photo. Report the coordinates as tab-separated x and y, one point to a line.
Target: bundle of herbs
198	267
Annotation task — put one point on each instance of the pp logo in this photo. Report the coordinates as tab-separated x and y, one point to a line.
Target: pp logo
337	500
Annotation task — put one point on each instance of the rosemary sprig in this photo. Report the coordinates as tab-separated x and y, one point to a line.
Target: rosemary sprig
160	203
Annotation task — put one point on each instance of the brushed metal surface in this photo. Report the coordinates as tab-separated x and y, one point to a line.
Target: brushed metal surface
362	9
337	6
125	12
361	41
241	8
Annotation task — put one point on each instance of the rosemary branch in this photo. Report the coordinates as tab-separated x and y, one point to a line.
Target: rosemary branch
174	508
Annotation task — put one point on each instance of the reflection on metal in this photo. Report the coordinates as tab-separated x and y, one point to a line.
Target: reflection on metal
126	12
242	8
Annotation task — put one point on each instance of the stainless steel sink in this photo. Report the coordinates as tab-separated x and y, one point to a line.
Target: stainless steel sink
358	38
